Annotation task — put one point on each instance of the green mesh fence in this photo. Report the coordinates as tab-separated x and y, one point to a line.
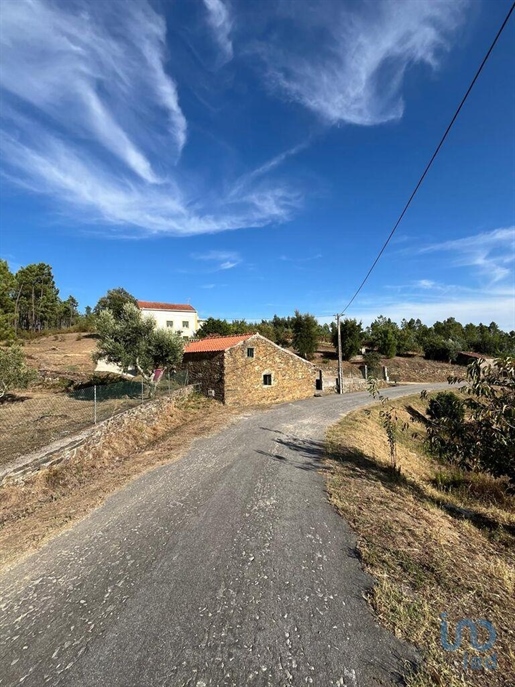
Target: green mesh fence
31	420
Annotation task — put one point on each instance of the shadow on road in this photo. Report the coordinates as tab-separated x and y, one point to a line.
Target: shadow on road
313	452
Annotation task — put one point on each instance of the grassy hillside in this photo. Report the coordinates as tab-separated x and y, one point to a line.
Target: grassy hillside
409	369
436	540
66	354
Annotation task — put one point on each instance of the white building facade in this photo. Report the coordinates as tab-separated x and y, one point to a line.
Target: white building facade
179	318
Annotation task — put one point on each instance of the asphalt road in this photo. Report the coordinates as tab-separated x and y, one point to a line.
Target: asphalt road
227	567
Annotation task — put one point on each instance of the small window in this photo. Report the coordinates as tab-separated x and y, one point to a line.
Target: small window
267	380
169	323
185	324
250	352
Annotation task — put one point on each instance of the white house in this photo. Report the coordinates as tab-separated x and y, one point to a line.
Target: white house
181	318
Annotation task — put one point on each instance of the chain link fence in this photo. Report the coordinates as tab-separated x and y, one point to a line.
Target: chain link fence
31	420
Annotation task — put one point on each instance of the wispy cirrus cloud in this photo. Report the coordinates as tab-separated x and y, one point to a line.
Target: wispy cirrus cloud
254	175
220	22
80	82
426	284
225	260
363	50
492	253
75	66
488	294
79	182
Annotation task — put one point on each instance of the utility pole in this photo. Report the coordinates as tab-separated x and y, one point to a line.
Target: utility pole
340	375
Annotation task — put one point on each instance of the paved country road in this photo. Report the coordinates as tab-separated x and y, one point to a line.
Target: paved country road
227	567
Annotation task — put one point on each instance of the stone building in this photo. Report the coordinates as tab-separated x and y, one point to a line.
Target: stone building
248	370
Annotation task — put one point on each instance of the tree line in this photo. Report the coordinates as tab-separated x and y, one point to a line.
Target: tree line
441	341
301	331
30	304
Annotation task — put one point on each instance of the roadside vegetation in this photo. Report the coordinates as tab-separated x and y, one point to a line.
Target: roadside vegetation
435	528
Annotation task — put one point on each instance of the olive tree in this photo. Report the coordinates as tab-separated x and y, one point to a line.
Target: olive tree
132	341
14	373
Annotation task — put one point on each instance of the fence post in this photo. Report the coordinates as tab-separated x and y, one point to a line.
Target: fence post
95	402
142	391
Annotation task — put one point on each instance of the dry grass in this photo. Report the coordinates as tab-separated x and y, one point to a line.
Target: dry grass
426	558
64	353
408	369
35	419
54	498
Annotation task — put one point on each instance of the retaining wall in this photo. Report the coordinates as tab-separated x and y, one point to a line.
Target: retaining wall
62	451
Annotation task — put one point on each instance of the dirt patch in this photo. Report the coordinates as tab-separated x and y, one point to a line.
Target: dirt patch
53	499
431	551
65	354
419	369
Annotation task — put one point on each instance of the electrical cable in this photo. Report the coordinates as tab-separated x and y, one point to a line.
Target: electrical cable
426	170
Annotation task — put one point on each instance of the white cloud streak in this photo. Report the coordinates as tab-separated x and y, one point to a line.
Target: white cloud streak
220	21
490	259
80	81
247	179
69	63
488	296
492	253
478	307
466	304
226	259
54	168
356	73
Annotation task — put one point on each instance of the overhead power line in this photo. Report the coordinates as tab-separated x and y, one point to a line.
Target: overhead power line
426	170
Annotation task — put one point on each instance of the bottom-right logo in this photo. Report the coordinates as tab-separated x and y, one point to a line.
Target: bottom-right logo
487	661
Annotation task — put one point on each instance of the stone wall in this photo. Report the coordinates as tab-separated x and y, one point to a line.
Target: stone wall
149	413
207	370
349	384
292	377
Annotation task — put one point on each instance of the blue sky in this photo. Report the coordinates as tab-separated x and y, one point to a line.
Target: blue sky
251	157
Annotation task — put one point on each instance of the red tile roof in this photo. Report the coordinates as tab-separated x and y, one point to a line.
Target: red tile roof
215	343
151	305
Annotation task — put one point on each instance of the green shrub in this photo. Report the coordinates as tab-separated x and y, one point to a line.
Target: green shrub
14	373
479	435
446	405
373	362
